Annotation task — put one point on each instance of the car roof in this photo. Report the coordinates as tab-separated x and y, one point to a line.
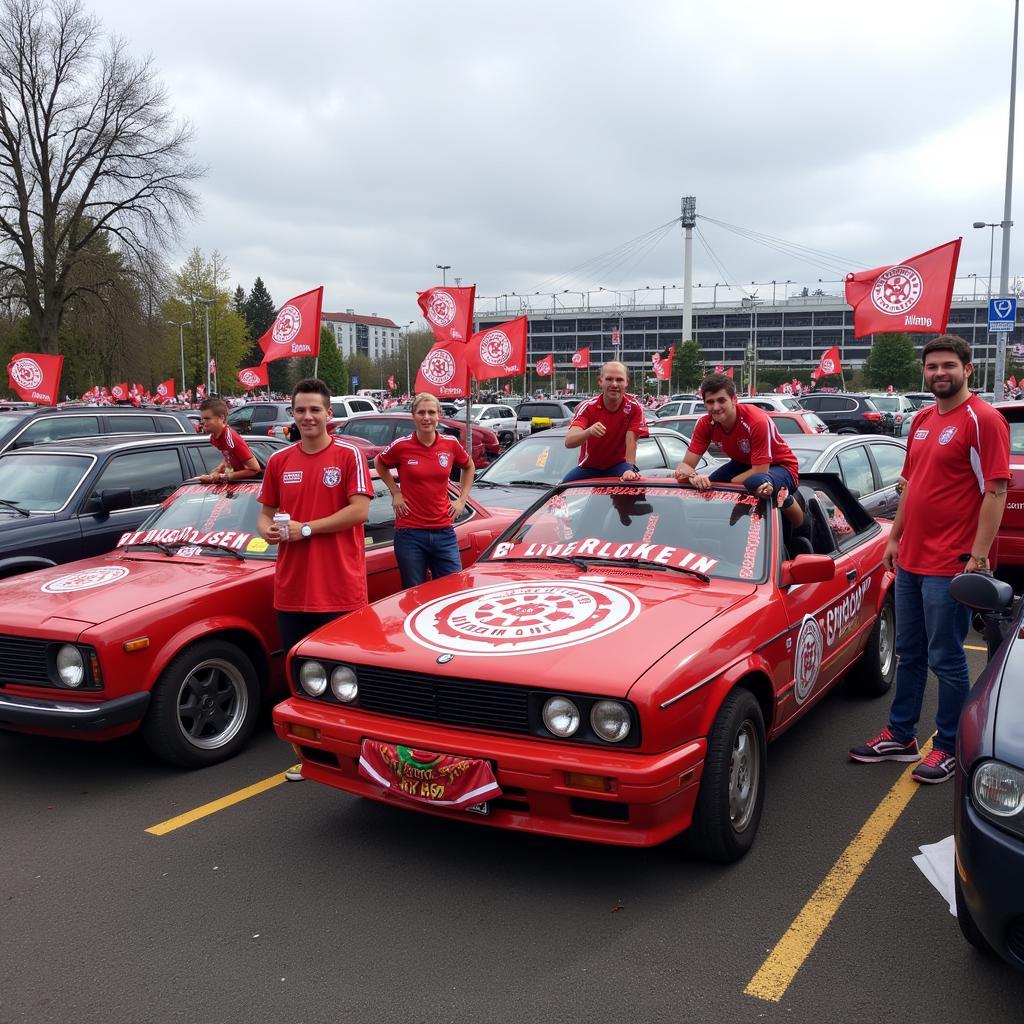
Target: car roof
819	442
113	442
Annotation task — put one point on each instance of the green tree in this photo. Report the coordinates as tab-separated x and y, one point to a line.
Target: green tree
892	360
238	299
332	369
260	313
687	367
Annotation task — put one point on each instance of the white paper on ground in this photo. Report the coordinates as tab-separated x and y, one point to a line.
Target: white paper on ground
936	862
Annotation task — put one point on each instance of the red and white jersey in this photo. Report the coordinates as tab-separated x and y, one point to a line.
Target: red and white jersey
235	451
610	450
326	572
949	458
753	440
423	473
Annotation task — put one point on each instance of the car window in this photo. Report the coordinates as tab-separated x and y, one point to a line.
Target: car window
262	450
856	470
786	425
380	526
674	448
170	425
359	405
41	483
377	432
812	402
889	459
131	425
205	458
241	420
151	475
648	454
57	428
1017	437
266	414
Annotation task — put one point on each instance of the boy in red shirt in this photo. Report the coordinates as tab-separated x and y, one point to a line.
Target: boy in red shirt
238	463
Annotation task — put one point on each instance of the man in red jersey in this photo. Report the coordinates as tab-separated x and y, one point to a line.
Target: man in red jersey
606	428
238	463
956	472
758	456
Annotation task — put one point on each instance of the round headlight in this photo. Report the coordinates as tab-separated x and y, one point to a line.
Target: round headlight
70	666
610	720
998	789
313	678
561	716
344	685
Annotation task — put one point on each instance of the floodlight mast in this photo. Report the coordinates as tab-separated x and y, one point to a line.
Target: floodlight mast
688	218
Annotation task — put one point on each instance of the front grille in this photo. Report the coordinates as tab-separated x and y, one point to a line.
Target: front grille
468	702
23	660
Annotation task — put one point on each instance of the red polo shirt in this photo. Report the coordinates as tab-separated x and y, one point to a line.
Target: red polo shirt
754	440
235	451
423	473
610	450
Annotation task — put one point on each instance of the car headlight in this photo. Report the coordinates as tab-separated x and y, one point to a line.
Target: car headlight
997	791
344	685
561	716
610	720
313	678
70	666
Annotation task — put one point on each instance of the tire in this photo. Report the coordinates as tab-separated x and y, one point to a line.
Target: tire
846	430
204	706
873	675
506	438
968	928
732	787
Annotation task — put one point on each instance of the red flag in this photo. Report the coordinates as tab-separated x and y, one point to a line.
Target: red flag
213	367
581	358
201	391
499	351
615	336
254	376
1011	383
662	362
912	296
119	392
508	388
449	311
829	365
443	372
36	378
295	330
165	390
546	366
391	381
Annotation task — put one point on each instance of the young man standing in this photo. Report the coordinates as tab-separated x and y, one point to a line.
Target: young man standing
956	472
758	456
238	463
606	428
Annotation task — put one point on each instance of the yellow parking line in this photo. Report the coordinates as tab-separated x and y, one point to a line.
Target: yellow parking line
778	971
974	647
215	805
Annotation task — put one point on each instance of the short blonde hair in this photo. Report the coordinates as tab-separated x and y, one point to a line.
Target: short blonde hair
426	396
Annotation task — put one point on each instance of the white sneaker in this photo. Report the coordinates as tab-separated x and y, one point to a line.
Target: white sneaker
294	774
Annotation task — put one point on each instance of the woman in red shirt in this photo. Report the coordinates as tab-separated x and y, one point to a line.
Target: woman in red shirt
424	510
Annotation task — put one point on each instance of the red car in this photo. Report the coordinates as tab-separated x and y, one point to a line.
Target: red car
382	428
610	670
1008	549
798	423
173	632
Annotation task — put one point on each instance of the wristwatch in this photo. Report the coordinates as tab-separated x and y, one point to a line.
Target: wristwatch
306	531
635	467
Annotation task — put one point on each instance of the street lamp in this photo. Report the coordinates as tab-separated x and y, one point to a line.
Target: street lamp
207	303
181	341
444	268
991	248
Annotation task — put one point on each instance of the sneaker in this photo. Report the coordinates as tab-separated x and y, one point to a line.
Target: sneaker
294	774
937	766
885	747
782	498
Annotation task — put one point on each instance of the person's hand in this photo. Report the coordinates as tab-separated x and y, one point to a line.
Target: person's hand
631	474
889	555
206	478
976	564
270	533
597	430
400	505
456	507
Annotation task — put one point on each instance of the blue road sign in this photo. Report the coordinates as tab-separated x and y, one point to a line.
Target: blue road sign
1002	314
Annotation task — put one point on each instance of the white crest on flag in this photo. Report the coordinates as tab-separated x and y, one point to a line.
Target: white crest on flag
495	348
828	367
249	378
161	389
287	324
897	290
438	367
441	308
27	373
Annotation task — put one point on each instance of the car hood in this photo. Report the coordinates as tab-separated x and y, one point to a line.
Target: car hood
518	496
596	632
98	589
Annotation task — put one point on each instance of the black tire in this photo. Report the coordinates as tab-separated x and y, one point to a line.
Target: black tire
732	788
204	706
968	928
506	439
846	430
872	676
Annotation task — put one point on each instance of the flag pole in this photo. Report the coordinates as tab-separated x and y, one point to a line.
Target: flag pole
469	411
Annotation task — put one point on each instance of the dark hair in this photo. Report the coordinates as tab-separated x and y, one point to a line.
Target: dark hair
948	343
312	386
217	406
717	382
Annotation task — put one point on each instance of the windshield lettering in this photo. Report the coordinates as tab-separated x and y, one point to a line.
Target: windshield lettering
594	547
188	535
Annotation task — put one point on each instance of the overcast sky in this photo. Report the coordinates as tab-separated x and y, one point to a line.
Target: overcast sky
356	145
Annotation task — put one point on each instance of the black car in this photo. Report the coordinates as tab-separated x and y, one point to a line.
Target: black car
844	413
67	500
264	418
21	428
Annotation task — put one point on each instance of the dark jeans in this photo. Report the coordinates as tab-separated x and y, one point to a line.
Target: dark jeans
584	473
296	626
930	632
777	476
419	550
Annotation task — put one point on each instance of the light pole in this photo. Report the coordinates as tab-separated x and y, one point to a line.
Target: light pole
991	252
181	342
207	303
444	268
408	376
974	297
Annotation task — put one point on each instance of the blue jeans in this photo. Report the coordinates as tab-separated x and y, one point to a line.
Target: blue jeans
777	476
419	550
930	631
585	473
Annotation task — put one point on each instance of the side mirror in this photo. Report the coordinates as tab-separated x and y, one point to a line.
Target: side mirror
808	569
115	498
981	591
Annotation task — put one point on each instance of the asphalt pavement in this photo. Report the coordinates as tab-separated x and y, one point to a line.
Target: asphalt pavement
300	904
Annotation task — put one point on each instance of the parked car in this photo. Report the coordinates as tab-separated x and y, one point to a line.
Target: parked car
381	429
989	781
801	422
610	670
22	428
920	398
870	467
270	418
534	415
845	413
175	631
681	407
897	413
499	418
519	476
352	405
71	499
683	425
1008	549
772	403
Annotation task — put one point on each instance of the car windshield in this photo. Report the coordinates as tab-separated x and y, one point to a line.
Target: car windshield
540	459
806	457
40	483
10	419
199	518
886	403
718	532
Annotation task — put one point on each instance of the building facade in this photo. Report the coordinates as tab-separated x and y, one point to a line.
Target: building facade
372	336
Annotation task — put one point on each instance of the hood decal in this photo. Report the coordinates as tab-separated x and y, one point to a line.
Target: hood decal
86	579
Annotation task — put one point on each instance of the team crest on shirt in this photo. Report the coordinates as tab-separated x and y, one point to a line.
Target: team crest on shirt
443	458
947	435
744	446
332	476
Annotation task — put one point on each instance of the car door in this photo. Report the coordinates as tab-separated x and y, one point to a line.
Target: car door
888	459
856	469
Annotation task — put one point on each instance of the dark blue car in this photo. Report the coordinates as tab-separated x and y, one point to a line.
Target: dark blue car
989	823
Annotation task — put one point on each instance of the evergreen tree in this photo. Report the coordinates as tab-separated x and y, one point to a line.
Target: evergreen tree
239	301
892	360
687	367
332	369
260	313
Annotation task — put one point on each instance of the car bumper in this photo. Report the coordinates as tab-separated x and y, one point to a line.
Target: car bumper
652	801
64	716
990	863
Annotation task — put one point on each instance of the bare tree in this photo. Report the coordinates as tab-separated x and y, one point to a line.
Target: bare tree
89	147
